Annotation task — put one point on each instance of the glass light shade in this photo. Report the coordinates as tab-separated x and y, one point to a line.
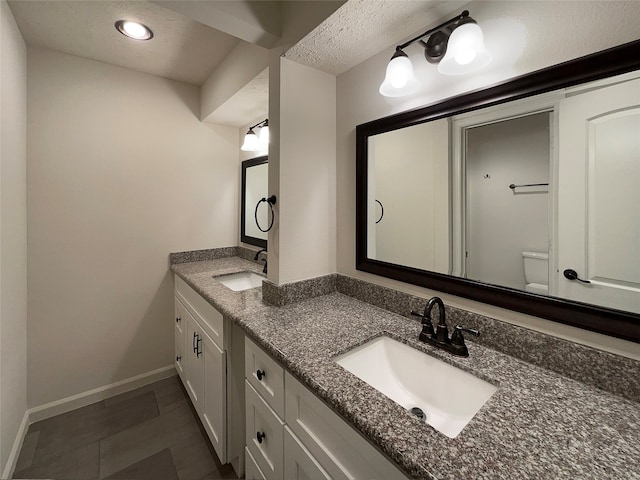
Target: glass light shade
399	79
466	52
263	138
134	30
251	142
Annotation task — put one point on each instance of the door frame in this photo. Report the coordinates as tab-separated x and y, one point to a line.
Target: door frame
459	125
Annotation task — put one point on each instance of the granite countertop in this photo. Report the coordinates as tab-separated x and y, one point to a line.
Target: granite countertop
538	424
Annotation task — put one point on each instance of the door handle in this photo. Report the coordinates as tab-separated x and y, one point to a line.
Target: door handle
571	274
198	343
193	343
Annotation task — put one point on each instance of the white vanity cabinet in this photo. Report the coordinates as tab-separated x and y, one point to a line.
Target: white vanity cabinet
204	344
291	434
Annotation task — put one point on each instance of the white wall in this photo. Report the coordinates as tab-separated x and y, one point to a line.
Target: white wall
120	173
524	36
302	171
13	234
411	168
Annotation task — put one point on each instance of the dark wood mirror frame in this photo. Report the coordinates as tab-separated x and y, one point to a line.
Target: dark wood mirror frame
607	63
244	238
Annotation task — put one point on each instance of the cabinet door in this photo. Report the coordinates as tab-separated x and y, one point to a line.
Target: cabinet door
180	359
194	365
298	462
215	395
179	319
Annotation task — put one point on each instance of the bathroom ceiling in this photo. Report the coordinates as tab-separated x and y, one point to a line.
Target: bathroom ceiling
182	49
186	50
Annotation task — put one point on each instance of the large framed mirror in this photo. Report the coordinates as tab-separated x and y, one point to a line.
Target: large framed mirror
524	195
255	184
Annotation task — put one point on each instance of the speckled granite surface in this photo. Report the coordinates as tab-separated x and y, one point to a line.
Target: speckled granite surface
538	424
613	373
249	254
280	295
202	255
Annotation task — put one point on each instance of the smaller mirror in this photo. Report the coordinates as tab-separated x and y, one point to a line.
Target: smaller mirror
254	187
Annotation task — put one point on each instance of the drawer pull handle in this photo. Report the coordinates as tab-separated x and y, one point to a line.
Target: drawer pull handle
260	374
194	342
178	319
178	358
260	436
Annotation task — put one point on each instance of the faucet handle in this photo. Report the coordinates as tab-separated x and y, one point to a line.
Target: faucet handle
458	346
427	326
475	333
458	339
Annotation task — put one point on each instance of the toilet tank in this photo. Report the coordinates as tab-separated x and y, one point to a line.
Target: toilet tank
536	267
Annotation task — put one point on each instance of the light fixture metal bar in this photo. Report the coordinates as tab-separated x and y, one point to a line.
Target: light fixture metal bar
442	26
260	124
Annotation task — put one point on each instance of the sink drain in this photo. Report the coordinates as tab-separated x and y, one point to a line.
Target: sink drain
417	411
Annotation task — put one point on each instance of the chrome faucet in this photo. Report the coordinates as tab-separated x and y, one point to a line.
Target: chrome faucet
264	250
440	337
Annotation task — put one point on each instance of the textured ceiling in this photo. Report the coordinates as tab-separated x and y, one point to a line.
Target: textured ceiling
362	28
181	49
249	103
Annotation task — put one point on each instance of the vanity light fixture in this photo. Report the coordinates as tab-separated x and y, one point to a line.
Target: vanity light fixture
264	134
251	141
457	45
134	30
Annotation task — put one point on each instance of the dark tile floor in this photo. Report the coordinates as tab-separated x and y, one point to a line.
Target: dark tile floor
149	433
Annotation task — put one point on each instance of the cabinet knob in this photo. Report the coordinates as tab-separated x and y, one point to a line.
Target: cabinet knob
260	374
260	436
178	319
178	358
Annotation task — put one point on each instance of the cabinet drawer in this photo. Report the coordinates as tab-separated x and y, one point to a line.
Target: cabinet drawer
264	433
299	464
265	375
341	451
208	317
252	471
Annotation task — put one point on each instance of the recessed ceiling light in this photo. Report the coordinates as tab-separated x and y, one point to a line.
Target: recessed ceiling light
134	30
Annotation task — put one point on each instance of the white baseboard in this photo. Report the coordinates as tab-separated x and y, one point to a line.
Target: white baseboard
97	394
17	445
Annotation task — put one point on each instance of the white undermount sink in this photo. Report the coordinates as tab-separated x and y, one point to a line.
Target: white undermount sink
241	280
448	396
